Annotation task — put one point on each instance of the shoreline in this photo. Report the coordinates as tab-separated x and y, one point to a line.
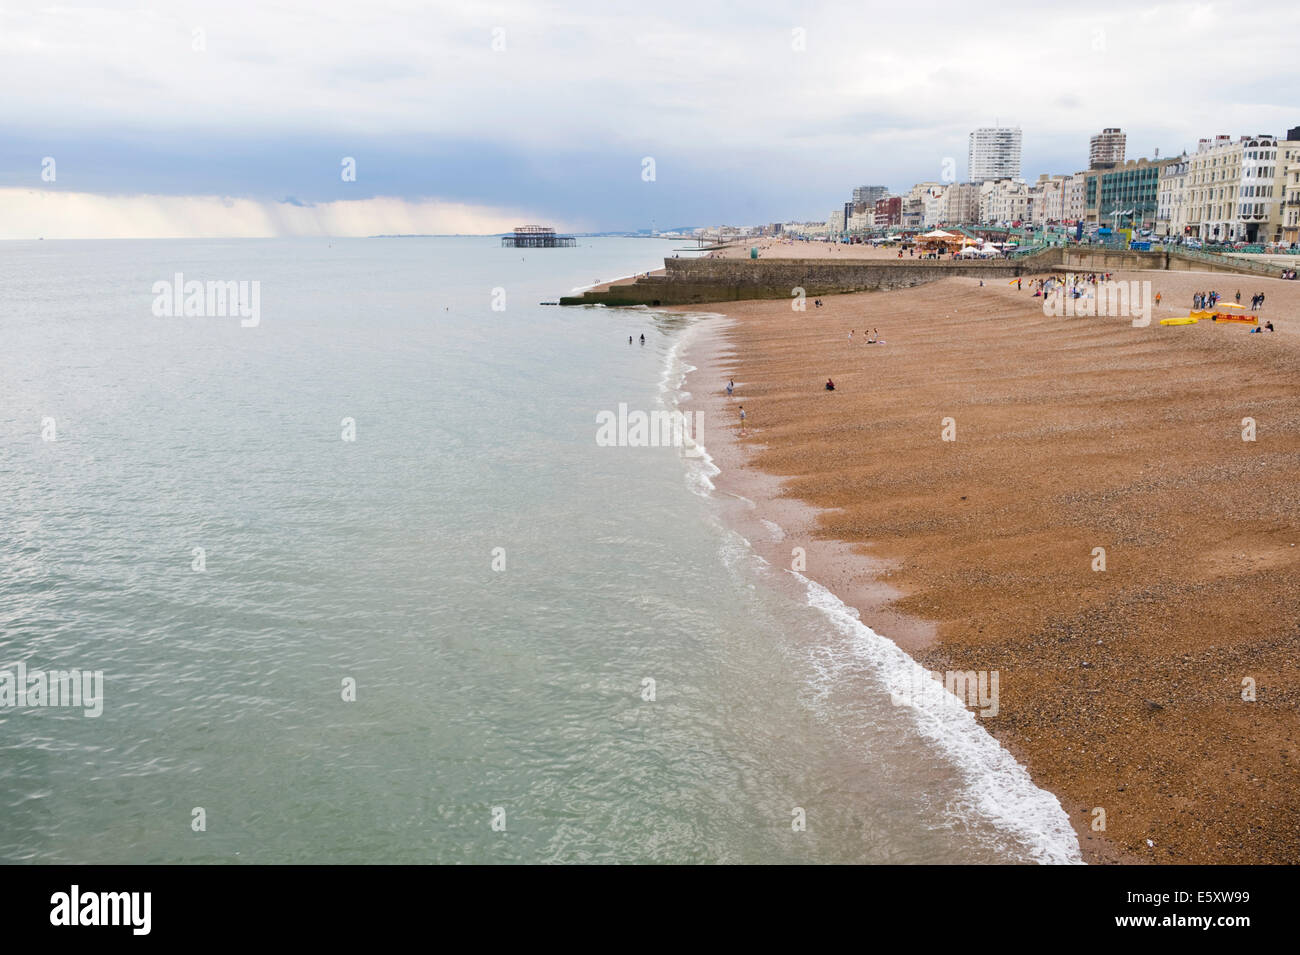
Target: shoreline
774	523
889	573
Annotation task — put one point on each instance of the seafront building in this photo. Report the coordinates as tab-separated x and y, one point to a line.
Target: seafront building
1290	182
1171	197
889	211
860	223
1234	191
1047	200
1075	197
1126	196
933	205
960	204
1106	149
1244	190
914	204
994	153
865	197
1005	202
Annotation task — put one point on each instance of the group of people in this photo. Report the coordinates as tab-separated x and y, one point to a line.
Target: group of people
1076	286
872	339
1203	301
1267	326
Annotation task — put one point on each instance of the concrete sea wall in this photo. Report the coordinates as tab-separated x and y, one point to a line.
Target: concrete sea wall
699	281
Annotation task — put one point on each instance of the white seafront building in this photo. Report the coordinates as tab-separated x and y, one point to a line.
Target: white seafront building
1233	191
994	153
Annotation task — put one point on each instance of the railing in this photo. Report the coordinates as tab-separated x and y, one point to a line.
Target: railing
1028	250
1218	258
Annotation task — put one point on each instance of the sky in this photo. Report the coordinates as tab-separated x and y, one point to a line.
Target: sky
238	118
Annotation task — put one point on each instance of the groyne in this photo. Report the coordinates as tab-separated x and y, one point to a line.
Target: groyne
699	281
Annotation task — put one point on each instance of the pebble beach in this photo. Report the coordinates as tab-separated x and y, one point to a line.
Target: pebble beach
1097	530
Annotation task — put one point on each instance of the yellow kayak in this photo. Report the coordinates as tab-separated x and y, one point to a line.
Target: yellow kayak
1186	320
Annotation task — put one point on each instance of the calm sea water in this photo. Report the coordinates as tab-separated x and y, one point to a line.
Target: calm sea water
511	695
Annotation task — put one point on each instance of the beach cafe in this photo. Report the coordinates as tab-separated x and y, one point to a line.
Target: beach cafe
939	241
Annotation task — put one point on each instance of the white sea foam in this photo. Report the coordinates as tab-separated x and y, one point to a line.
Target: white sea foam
996	786
700	469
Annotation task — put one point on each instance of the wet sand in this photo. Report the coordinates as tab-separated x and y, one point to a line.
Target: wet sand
1121	689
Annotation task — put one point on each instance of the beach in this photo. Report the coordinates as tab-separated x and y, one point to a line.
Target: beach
778	248
1097	532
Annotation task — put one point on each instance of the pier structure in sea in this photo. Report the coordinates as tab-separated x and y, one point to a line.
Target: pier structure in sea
536	237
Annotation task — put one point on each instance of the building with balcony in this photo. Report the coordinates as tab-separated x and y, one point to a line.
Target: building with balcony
994	153
889	211
960	204
1106	149
1235	190
1171	196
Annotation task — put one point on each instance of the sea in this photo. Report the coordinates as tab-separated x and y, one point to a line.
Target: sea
359	584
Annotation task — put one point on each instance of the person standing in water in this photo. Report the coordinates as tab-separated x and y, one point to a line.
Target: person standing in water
643	338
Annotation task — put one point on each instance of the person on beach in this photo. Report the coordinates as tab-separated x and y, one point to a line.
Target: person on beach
1238	296
742	419
1157	299
731	388
850	336
830	385
1017	285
